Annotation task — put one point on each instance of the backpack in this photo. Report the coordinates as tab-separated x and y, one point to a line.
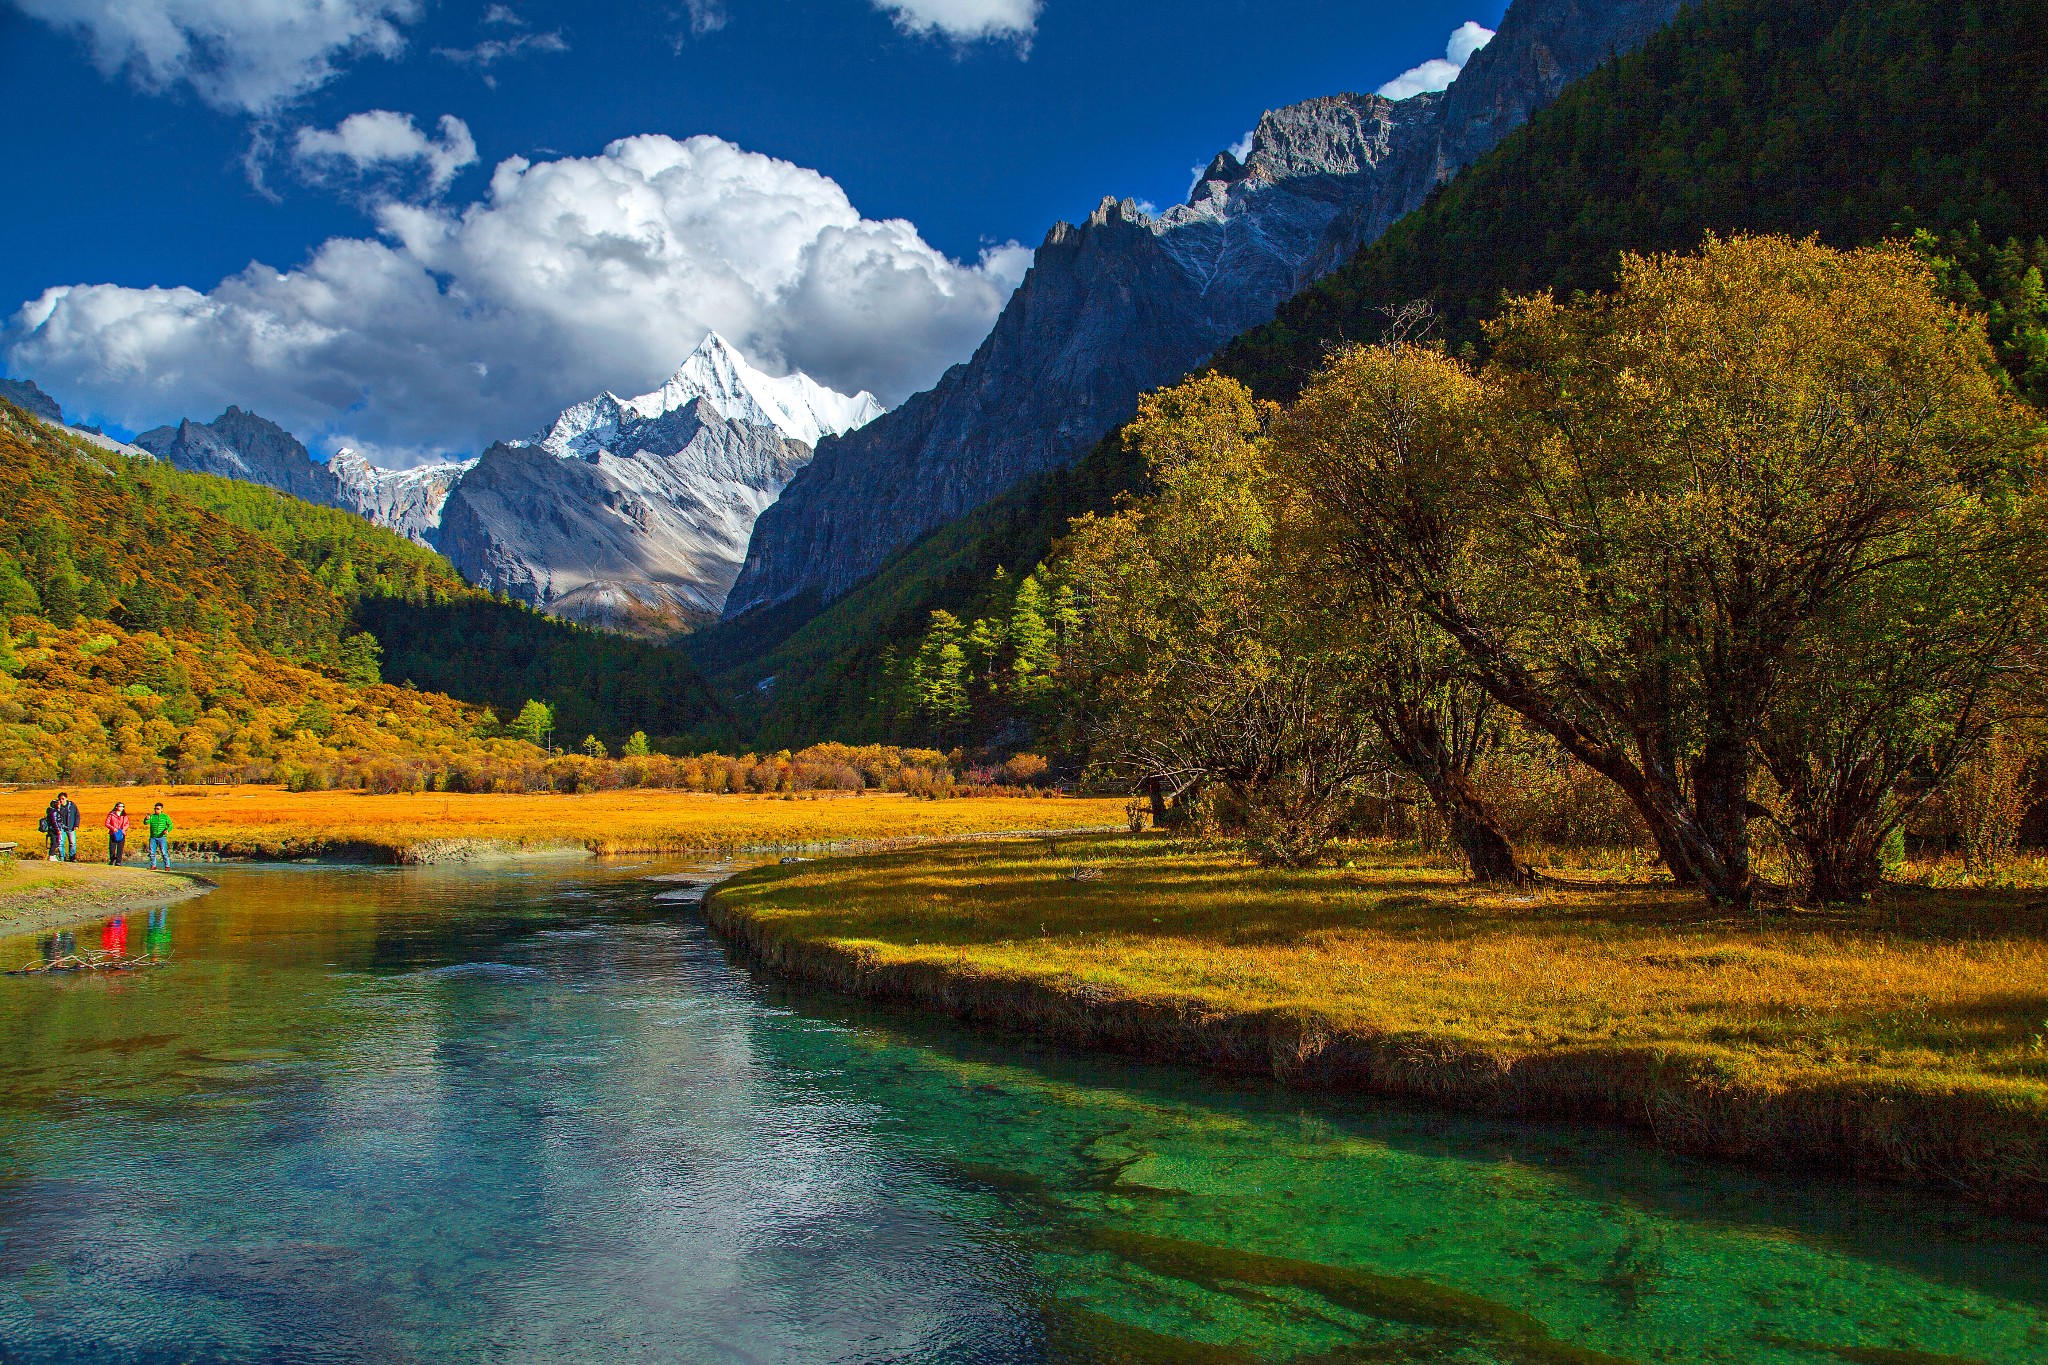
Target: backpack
43	824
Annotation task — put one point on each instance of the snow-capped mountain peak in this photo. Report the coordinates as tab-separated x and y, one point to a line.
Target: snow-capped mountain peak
796	405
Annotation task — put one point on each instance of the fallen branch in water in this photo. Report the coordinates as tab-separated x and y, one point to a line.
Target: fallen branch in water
90	961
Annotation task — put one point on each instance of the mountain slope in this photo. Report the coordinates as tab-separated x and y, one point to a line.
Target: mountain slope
1853	119
634	514
1843	117
242	445
1126	302
408	501
141	546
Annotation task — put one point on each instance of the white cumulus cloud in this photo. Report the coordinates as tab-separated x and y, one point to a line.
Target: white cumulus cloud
1438	72
964	21
253	56
379	141
457	327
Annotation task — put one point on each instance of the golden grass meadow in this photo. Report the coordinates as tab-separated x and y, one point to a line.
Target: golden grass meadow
269	822
1859	1032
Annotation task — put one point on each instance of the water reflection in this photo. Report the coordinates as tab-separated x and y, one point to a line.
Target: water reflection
61	944
389	1115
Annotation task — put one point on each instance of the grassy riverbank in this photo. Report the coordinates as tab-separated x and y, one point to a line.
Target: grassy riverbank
44	895
268	822
1907	1040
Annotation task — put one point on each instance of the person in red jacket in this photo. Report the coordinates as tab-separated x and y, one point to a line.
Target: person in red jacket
117	833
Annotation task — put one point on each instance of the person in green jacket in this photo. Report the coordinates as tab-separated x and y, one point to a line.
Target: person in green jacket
159	837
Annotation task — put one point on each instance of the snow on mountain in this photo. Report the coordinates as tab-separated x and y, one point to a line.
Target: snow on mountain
796	406
640	519
640	526
408	501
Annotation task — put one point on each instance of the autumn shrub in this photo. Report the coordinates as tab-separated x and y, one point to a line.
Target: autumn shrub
1984	803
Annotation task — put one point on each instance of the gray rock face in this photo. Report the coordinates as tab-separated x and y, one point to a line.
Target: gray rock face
24	394
407	501
1126	302
1542	46
644	536
626	513
241	445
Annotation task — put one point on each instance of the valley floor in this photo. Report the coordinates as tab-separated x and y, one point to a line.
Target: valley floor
267	822
1907	1040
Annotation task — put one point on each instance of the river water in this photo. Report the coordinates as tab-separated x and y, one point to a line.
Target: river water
448	1115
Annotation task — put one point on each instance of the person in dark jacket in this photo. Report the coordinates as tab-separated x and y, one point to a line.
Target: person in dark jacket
67	827
47	827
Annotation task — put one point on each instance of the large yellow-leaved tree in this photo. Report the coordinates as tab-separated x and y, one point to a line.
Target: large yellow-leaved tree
1763	503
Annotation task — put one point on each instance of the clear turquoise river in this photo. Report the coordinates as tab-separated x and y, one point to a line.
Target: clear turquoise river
440	1115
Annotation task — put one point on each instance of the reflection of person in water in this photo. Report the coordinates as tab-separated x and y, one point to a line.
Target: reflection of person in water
63	943
156	940
114	936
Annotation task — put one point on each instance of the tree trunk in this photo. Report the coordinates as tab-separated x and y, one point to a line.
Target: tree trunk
1418	742
1694	858
1487	850
1843	871
1710	855
1720	801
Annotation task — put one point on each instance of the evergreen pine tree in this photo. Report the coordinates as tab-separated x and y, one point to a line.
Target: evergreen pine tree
942	671
1032	646
60	595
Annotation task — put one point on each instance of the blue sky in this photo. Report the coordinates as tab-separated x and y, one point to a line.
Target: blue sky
171	143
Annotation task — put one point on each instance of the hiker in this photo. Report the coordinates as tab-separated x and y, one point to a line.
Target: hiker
46	825
117	833
66	814
159	836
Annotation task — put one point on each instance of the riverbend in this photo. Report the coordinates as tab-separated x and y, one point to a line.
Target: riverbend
537	1114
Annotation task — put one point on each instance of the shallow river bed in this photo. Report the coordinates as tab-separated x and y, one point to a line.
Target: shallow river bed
437	1114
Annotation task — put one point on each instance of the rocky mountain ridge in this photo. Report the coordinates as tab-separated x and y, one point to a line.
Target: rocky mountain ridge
644	536
243	445
627	513
27	395
634	513
408	501
1126	301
